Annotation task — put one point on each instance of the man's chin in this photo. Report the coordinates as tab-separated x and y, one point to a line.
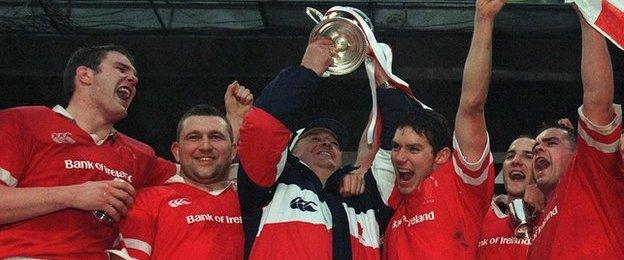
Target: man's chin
119	114
406	189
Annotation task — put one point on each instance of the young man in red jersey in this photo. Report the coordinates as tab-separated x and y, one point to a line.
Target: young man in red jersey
194	215
58	166
581	175
497	233
444	194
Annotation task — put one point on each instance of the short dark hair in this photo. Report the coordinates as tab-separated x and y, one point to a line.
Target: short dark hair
570	131
431	124
89	56
204	110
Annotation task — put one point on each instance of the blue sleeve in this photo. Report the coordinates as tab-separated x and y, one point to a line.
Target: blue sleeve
286	95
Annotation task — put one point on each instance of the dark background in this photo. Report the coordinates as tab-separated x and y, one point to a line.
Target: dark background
536	65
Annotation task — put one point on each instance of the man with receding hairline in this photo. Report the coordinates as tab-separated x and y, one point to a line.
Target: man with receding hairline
497	233
195	214
581	175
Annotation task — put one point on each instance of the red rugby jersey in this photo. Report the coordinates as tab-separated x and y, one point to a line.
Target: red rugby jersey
178	221
43	148
497	237
583	218
441	219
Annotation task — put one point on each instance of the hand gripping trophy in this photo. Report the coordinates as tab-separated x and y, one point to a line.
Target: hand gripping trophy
352	33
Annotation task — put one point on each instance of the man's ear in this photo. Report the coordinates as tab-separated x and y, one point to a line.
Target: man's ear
442	156
175	149
84	75
234	151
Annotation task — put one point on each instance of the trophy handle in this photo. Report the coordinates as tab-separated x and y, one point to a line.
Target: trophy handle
314	14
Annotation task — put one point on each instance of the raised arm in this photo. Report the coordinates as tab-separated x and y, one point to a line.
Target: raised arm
470	127
238	101
597	76
277	113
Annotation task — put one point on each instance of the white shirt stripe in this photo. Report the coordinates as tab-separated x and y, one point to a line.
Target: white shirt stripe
383	172
472	166
499	213
603	130
281	164
138	245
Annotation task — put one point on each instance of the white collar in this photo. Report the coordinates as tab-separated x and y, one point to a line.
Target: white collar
98	141
499	213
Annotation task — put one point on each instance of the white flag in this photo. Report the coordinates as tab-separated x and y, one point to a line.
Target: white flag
607	16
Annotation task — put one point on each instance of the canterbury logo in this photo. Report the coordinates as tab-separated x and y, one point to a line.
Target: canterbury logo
179	202
62	138
299	203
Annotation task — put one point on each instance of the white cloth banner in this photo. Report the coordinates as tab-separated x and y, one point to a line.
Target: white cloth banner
607	16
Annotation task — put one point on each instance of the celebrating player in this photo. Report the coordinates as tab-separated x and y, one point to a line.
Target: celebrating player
497	234
57	166
581	175
195	215
444	194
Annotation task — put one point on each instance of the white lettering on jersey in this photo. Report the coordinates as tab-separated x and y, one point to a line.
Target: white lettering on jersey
89	165
553	212
416	219
504	241
190	219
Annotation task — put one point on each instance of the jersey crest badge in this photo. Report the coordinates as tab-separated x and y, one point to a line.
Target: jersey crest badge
178	202
62	138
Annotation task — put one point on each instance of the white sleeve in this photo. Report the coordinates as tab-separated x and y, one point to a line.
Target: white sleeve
384	175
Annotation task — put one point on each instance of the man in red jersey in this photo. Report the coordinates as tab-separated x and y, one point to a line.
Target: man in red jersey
195	215
581	175
497	233
57	166
444	194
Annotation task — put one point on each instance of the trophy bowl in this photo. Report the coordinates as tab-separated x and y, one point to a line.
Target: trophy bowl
348	38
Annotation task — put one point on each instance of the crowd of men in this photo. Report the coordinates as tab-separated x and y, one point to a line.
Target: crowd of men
258	182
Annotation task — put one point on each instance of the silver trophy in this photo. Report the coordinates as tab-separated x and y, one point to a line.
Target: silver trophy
349	39
523	221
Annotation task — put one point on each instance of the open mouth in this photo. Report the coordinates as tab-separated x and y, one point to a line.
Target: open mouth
205	159
540	164
124	93
405	175
517	176
325	153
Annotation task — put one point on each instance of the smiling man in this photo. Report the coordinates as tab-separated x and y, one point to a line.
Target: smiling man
57	166
194	215
443	194
581	175
497	234
290	199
